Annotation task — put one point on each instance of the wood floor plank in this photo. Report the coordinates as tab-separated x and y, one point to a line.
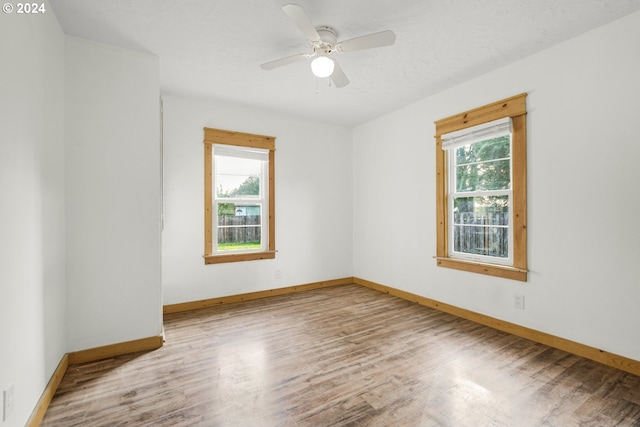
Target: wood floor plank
341	356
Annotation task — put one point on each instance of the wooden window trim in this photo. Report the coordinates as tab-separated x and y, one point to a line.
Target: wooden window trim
514	107
218	136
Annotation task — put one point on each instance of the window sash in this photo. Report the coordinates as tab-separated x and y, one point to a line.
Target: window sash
487	237
262	199
470	136
262	189
233	228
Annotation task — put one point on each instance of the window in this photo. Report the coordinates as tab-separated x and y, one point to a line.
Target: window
481	190
239	197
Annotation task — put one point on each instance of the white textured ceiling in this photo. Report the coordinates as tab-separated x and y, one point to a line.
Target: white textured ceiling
214	48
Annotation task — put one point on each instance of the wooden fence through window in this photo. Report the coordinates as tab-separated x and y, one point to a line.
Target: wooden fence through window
239	229
486	234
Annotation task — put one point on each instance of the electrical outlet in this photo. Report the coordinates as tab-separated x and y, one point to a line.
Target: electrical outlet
518	302
7	402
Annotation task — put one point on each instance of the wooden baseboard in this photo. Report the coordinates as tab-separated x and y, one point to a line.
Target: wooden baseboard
619	362
196	305
45	400
118	349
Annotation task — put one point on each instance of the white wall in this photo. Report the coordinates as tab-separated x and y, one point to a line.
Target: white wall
113	189
32	249
583	134
313	202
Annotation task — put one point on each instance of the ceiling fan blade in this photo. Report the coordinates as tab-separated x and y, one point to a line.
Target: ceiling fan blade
299	17
383	38
338	76
285	61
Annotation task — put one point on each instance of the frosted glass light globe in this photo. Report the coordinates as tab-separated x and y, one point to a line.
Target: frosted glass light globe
322	66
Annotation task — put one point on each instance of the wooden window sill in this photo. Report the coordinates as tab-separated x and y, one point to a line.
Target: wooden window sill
249	256
503	271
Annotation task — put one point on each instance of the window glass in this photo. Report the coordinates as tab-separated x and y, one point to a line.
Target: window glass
481	226
239	227
237	177
484	165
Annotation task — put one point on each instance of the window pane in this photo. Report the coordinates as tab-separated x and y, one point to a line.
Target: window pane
237	177
239	226
481	226
484	165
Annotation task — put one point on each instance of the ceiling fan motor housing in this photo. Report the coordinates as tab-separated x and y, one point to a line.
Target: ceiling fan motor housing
328	39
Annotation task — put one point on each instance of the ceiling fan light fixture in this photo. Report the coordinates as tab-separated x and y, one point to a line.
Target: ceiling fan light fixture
322	66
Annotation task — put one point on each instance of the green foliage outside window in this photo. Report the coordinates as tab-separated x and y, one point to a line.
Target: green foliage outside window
484	165
226	209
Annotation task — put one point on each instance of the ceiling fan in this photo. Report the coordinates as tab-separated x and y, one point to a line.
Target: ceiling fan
323	41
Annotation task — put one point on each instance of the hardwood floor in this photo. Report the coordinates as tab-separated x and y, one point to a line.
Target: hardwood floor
339	356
